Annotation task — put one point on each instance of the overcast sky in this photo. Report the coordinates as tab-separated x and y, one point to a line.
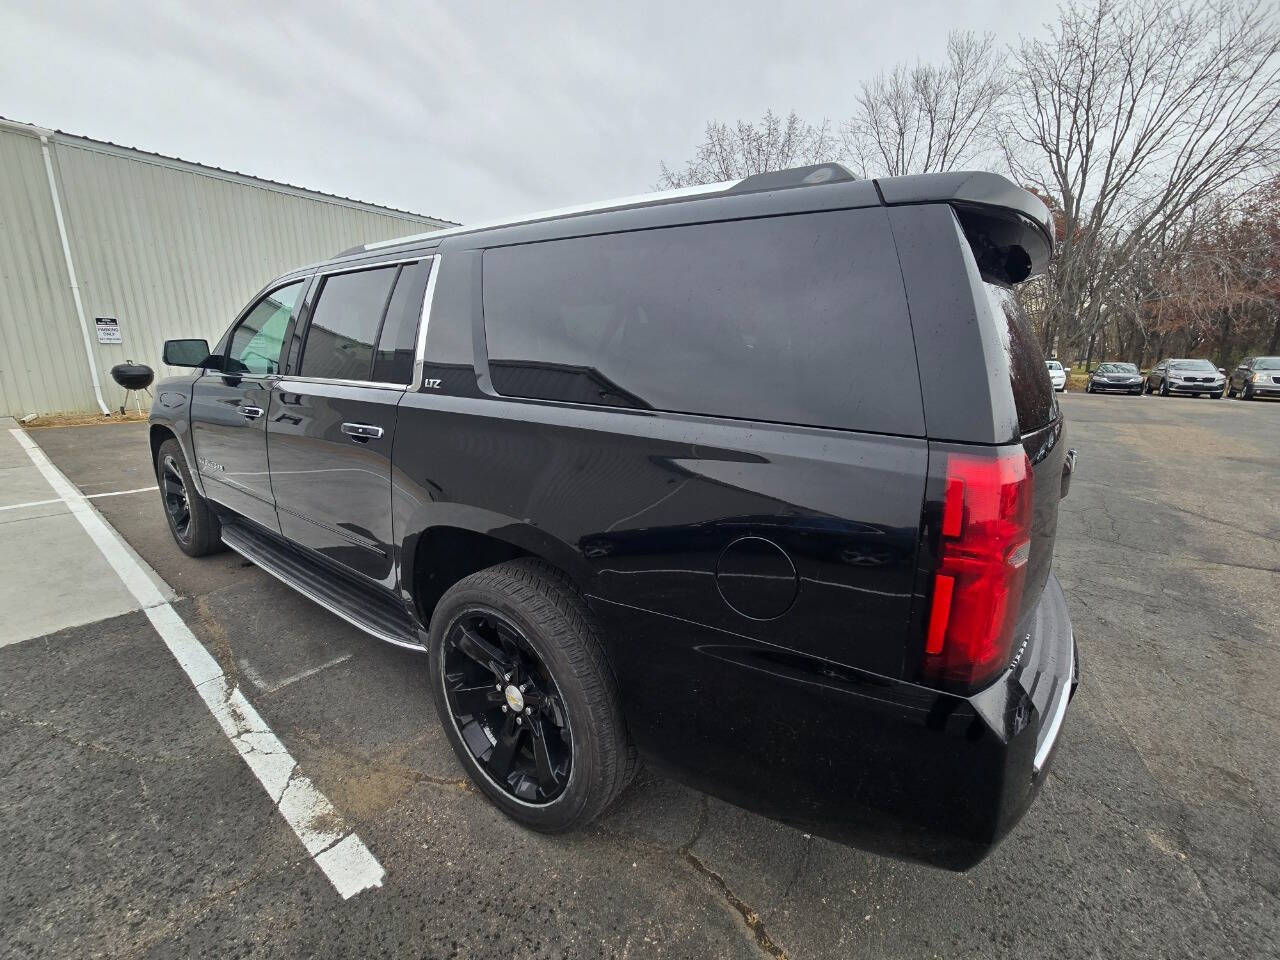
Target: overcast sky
466	111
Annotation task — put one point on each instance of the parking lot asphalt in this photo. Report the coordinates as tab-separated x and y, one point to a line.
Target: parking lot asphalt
132	827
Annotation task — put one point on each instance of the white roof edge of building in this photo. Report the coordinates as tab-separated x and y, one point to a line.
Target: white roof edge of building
218	173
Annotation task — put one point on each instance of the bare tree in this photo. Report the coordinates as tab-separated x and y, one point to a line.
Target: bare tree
927	117
734	152
1129	114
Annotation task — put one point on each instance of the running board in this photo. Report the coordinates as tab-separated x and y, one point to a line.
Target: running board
339	593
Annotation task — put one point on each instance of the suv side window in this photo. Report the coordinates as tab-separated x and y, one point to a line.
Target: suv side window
257	340
795	319
393	360
344	324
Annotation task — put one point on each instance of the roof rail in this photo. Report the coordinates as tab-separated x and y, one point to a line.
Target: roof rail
809	176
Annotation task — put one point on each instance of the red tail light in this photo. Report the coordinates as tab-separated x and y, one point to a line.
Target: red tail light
982	562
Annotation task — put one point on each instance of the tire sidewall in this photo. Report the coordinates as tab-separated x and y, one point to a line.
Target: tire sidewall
196	543
575	803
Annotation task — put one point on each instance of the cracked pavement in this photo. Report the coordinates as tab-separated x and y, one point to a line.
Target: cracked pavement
132	828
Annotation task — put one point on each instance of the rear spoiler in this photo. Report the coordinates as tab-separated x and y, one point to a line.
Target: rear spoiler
1010	229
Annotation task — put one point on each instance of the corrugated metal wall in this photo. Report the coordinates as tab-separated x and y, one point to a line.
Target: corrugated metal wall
168	248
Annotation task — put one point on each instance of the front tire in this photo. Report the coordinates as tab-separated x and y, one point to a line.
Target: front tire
1164	388
1246	392
526	696
195	527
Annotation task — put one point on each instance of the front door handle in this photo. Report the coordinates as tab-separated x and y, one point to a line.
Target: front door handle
362	432
250	413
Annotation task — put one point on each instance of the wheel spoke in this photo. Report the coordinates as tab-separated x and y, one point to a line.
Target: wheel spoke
483	652
474	700
548	777
504	751
171	486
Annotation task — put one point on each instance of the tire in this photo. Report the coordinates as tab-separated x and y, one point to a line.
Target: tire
1246	393
537	609
1231	390
1216	396
196	530
1088	388
1146	387
1164	388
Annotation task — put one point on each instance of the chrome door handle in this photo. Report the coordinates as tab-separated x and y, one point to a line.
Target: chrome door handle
361	432
250	413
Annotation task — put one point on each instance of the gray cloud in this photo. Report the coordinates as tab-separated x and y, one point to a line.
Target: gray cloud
467	111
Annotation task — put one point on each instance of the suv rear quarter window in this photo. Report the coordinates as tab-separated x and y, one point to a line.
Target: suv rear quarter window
795	319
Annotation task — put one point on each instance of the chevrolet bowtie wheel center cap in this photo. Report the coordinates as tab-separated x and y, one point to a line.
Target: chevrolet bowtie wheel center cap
515	699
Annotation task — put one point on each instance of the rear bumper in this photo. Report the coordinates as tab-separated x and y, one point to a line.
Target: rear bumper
884	765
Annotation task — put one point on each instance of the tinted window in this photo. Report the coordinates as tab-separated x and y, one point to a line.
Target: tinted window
1267	363
257	341
1117	368
345	323
1033	395
393	362
1192	365
797	319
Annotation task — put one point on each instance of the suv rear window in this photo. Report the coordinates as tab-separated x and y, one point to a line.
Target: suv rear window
796	319
1033	395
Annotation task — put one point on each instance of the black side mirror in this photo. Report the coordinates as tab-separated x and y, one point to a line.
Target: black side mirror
187	353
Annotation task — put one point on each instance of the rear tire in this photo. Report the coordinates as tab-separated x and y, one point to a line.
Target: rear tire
569	758
195	527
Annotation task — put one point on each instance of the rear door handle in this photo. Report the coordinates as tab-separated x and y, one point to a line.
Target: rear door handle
250	413
362	432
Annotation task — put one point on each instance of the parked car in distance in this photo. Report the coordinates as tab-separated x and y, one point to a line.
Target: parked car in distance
1114	377
1197	377
1057	375
681	478
1255	377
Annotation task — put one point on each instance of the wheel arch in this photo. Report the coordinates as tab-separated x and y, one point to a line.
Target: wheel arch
439	555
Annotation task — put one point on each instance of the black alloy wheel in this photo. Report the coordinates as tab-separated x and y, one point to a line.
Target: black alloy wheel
506	707
177	502
195	527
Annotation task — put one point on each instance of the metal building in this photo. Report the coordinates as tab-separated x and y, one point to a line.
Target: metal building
106	251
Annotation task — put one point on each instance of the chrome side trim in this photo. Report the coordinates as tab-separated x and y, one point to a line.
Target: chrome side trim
420	351
336	611
1055	721
381	385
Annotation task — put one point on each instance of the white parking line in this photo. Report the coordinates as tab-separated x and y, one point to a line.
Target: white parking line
87	496
256	678
340	853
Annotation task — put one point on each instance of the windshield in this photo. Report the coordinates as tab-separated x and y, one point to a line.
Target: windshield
1191	365
1053	364
1117	368
1267	363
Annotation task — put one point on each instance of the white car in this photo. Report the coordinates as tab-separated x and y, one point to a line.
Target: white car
1057	375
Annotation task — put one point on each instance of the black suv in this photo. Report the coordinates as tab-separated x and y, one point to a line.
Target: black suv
758	482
